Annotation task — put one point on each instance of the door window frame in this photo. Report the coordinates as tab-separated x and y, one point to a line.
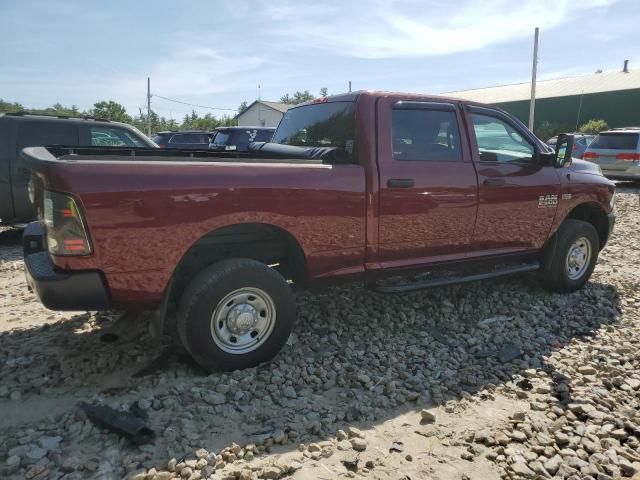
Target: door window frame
429	106
514	123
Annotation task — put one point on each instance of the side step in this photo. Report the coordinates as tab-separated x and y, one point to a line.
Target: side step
442	281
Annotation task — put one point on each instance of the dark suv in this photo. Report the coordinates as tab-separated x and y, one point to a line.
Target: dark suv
239	138
20	130
187	140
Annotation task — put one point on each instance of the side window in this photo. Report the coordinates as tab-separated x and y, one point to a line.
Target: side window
500	142
113	137
425	135
189	138
41	134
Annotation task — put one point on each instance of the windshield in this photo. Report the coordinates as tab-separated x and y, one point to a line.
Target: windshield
320	125
615	141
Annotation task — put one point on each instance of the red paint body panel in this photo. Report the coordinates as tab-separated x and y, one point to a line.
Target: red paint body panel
431	221
141	230
142	217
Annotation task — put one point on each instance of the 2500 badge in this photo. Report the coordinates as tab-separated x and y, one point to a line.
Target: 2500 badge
545	201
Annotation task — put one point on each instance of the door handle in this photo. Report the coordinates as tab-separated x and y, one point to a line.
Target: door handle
400	183
494	182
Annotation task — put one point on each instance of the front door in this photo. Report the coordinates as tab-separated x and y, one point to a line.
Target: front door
428	185
518	196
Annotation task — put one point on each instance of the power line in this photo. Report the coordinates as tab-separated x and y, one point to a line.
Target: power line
192	104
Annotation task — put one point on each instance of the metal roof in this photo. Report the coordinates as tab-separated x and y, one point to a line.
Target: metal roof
559	87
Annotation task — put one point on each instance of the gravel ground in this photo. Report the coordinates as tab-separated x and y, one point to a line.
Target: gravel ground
496	379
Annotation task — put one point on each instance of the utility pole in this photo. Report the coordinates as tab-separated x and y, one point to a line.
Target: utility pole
149	107
532	107
349	86
259	117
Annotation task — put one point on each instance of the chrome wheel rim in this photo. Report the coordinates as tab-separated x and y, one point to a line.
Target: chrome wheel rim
243	320
578	258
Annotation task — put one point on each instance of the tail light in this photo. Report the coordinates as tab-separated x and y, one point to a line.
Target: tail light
590	155
162	145
629	157
66	233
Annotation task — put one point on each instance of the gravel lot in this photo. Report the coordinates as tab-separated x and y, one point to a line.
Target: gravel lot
496	379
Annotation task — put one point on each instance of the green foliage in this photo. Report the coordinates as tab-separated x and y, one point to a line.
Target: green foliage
110	110
243	106
547	129
593	126
324	91
6	107
297	97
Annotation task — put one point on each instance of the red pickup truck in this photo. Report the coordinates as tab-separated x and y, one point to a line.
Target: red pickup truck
362	186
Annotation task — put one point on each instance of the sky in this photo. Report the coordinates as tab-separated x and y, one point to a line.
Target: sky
215	53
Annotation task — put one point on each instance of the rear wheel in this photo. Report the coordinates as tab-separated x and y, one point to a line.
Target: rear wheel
571	256
235	314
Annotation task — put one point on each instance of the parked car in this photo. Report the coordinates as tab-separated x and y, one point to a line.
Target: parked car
20	130
580	143
187	140
617	152
239	138
359	186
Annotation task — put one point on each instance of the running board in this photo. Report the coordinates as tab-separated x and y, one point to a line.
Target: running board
441	282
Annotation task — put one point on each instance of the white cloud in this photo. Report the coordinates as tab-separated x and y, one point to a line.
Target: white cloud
409	28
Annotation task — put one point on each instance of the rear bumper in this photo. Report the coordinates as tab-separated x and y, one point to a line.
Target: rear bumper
631	173
58	289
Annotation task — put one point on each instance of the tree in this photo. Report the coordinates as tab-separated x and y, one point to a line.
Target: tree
6	107
593	126
297	97
324	91
243	106
547	129
110	110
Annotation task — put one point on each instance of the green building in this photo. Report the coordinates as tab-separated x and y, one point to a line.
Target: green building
566	103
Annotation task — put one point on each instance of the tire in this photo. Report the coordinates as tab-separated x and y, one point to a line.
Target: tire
235	314
564	269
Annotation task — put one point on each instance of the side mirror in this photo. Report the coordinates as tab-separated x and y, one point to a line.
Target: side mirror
564	148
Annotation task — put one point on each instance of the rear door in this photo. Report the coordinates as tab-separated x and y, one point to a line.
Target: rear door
428	185
34	133
518	197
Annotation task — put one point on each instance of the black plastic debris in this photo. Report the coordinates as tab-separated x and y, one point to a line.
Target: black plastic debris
351	465
525	384
397	447
124	424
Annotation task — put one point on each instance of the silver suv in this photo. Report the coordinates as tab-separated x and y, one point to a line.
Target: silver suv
617	152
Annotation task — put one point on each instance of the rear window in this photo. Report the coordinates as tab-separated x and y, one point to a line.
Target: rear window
114	137
241	137
190	138
615	141
41	134
320	125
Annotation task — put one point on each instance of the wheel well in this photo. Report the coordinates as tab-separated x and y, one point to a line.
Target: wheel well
265	243
596	216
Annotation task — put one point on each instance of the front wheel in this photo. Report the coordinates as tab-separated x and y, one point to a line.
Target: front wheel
571	257
235	314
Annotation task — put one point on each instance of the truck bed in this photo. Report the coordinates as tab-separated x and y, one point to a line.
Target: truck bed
263	153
